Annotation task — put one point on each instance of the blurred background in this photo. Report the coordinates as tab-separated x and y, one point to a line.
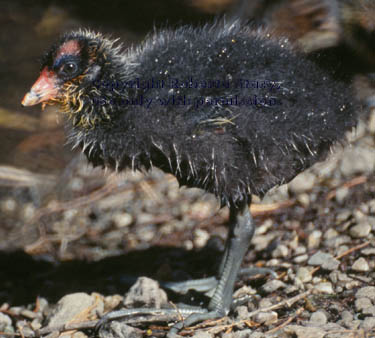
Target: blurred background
59	217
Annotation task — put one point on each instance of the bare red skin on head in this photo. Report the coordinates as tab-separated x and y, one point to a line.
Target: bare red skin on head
70	47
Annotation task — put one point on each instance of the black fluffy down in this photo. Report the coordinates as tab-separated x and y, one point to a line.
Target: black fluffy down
230	149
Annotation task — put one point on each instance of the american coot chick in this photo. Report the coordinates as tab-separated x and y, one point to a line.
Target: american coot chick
224	109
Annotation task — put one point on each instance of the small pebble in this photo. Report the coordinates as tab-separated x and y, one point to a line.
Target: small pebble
369	311
266	318
242	312
367	291
362	303
5	322
341	194
360	216
325	288
346	316
304	274
110	302
291	289
16	310
343	277
122	220
343	216
302	183
337	241
244	291
341	249
273	285
360	265
360	230
314	238
265	303
201	210
299	250
330	233
188	245
354	324
264	227
299	331
355	161
352	285
200	238
326	261
145	292
29	314
23	326
339	289
280	252
318	318
70	306
301	258
368	323
36	324
333	277
304	199
144	218
116	329
332	327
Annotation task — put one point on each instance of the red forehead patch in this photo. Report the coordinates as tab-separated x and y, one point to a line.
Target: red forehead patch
70	47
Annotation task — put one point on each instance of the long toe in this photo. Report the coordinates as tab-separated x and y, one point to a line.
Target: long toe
252	271
193	319
204	285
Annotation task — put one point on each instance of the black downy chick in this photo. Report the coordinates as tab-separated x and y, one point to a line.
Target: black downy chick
229	110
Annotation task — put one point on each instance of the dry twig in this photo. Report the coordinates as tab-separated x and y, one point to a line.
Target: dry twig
345	253
352	183
289	320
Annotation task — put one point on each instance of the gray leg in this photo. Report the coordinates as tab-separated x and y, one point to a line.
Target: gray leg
240	233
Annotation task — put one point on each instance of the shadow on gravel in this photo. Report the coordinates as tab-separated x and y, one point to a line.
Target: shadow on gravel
23	278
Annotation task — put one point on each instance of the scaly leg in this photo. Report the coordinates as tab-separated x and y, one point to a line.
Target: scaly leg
240	233
239	237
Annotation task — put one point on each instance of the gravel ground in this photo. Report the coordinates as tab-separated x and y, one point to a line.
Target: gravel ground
76	243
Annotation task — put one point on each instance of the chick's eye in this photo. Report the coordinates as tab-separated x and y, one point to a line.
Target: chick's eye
68	69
